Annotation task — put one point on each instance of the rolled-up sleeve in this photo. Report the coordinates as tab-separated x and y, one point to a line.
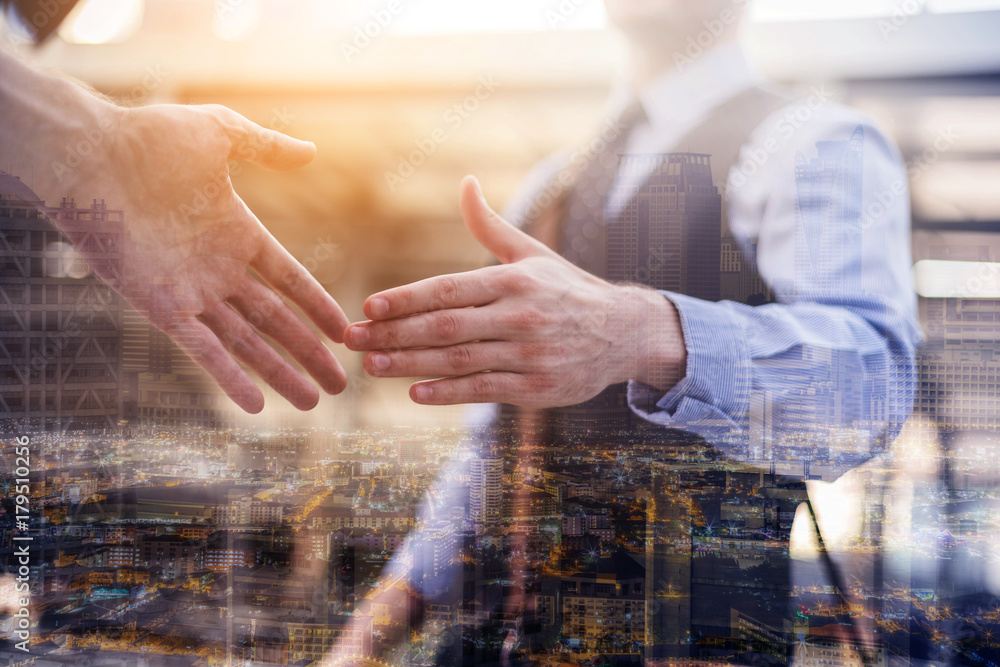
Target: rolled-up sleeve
831	364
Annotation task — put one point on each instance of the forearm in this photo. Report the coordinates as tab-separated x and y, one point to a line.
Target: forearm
50	127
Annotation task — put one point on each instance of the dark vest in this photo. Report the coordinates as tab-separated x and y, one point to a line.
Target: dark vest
674	235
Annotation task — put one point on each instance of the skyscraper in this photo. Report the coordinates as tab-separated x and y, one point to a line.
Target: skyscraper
485	490
669	236
412	452
60	325
829	189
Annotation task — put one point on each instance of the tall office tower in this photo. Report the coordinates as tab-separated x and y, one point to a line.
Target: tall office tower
669	236
163	386
434	551
485	490
829	190
412	452
60	325
738	276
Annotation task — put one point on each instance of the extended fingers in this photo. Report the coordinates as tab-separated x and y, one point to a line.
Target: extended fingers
202	345
268	312
285	274
474	288
246	345
453	360
476	388
437	329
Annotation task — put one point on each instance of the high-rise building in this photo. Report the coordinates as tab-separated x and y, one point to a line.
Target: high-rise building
434	550
829	191
669	236
412	452
485	490
60	325
604	608
162	385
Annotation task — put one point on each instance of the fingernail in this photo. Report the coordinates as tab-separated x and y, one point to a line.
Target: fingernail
380	306
423	392
380	361
358	336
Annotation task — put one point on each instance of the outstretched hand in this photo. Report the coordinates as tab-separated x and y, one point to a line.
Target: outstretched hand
198	263
536	331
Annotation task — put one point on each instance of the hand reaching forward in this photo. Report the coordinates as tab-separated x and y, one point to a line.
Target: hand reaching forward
193	251
536	331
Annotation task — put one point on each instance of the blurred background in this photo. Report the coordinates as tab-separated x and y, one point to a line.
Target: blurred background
404	97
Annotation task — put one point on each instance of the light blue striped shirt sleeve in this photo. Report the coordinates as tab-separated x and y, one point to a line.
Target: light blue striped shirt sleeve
820	200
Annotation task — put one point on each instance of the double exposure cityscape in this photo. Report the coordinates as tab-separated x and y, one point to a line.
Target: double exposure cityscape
717	385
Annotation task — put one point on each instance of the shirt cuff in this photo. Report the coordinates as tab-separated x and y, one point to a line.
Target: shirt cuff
718	374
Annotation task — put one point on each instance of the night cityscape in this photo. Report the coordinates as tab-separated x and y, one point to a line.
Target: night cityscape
160	534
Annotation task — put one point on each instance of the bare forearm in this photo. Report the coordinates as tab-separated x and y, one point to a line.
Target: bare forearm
50	127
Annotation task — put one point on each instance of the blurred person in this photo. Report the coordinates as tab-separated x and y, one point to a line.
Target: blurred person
524	333
197	262
694	279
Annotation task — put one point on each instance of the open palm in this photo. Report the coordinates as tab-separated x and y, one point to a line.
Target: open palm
199	264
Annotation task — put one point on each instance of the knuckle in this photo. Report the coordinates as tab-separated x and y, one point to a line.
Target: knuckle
459	357
542	383
516	279
527	319
386	335
484	386
446	325
317	351
445	291
534	354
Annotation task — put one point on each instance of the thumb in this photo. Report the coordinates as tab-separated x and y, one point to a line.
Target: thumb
268	148
506	242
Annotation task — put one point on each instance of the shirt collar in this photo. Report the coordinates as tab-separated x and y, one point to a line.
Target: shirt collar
694	88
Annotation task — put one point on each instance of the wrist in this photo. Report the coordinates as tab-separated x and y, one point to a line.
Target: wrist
653	349
55	131
76	156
